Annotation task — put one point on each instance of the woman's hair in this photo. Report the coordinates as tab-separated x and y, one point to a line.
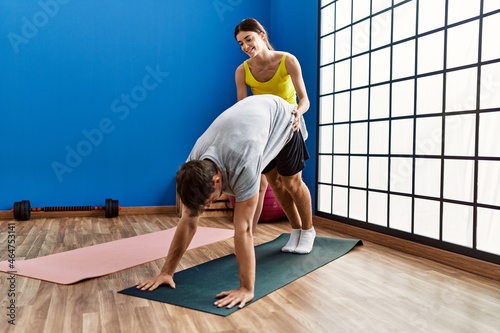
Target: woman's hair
251	24
194	184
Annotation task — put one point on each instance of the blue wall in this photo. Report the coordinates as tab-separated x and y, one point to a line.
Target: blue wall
105	99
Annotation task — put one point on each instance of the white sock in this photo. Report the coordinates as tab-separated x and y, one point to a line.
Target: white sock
292	242
306	241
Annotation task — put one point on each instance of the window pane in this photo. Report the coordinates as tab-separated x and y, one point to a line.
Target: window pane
378	169
461	87
359	108
402	136
357	205
430	53
458	180
490	86
403	60
426	220
325	139
487	183
463	44
428	177
340	170
404	21
459	10
325	168
358	171
341	139
490	44
400	213
489	135
327	49
342	109
430	94
343	44
491	5
428	136
360	71
460	135
361	9
326	2
401	174
361	37
377	208
327	19
380	66
340	201
343	75
488	230
457	224
381	29
379	102
326	77
379	137
402	98
359	138
431	14
380	5
343	17
326	109
325	198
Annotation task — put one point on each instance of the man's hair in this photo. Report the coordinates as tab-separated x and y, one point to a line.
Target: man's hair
194	184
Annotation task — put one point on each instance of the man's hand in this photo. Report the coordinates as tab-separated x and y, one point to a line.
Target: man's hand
233	297
155	282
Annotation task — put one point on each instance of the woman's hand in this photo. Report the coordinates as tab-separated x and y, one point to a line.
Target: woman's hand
296	120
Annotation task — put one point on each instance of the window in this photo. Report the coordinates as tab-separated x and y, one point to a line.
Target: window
409	119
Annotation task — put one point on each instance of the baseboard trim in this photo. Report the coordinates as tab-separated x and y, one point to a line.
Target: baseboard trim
141	210
468	264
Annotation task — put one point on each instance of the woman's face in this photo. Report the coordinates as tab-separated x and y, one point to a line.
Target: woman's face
250	42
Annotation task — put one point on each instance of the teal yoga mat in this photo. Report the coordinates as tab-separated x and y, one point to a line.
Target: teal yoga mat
197	286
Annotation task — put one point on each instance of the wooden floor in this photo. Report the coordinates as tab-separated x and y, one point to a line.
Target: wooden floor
371	289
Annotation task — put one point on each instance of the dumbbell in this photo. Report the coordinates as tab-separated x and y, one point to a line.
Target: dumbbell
22	209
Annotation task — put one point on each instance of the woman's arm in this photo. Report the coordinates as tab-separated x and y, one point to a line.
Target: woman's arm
295	71
241	86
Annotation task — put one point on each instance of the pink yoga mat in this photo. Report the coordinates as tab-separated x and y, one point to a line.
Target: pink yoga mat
102	259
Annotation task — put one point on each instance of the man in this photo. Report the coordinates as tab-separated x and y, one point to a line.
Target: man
259	134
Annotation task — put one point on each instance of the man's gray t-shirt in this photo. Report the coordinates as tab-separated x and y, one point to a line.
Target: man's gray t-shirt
244	139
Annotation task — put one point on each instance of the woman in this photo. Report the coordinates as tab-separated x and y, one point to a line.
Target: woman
279	73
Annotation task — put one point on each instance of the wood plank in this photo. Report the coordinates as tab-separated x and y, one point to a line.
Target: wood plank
374	288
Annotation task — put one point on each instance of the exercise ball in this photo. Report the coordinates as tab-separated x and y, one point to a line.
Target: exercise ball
271	209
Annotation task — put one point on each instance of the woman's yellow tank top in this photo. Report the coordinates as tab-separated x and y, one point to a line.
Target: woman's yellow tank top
280	84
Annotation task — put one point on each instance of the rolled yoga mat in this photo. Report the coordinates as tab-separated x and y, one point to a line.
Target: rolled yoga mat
197	286
106	258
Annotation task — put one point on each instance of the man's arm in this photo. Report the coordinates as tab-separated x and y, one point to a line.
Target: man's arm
184	233
245	255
